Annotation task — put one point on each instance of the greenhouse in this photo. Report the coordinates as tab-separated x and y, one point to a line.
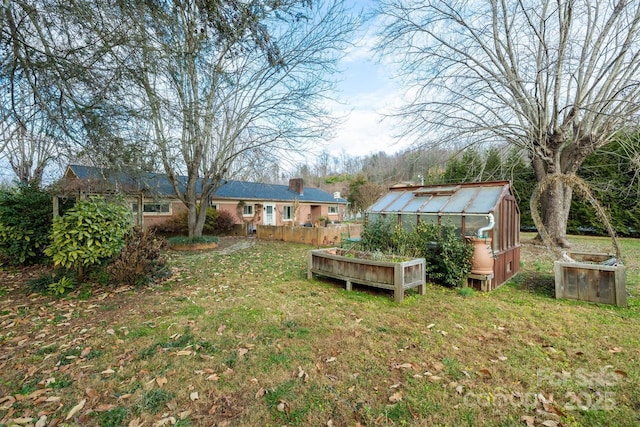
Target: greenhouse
485	212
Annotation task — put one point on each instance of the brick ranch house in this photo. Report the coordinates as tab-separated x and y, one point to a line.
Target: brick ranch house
153	200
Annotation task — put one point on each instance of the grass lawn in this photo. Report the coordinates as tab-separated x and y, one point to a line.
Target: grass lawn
244	339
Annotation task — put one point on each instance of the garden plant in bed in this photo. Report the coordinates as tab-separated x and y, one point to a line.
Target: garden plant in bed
397	259
448	255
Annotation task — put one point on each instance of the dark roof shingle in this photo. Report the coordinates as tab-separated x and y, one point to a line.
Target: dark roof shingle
159	184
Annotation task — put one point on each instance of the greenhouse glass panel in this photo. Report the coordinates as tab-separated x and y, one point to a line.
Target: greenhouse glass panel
485	201
382	203
459	201
474	222
373	217
400	203
435	204
409	221
455	220
415	204
429	219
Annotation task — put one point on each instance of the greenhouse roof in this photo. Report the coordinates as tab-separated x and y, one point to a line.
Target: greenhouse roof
467	198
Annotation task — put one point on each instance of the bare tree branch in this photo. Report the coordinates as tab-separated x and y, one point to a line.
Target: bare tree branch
557	78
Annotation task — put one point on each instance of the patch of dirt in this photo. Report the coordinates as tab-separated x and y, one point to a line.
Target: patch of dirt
533	250
230	244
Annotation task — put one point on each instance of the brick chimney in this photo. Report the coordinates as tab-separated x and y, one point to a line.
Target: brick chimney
296	185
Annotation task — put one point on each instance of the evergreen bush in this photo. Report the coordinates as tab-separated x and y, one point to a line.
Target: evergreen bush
91	232
448	255
25	224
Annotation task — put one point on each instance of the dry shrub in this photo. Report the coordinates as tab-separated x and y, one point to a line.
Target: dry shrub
218	222
140	261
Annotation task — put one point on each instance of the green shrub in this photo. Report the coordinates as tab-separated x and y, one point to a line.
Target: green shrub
448	255
25	224
91	232
62	286
378	235
42	283
451	259
140	260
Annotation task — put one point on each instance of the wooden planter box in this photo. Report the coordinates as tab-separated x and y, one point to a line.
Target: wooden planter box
588	280
395	276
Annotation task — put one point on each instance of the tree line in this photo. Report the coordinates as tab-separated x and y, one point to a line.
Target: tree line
611	173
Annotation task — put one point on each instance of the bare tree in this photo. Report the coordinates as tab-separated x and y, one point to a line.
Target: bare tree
556	78
221	83
363	193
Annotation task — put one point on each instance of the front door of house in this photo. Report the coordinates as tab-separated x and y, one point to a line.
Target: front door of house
269	214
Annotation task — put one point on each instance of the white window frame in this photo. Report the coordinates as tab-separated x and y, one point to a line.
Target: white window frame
287	213
168	212
248	210
334	209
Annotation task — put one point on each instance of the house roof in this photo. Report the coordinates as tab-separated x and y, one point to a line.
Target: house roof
451	199
274	192
159	184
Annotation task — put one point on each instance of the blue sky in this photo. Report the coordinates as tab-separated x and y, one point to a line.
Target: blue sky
366	89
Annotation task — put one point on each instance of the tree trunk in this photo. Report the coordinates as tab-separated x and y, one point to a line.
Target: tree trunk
556	202
192	217
201	219
195	219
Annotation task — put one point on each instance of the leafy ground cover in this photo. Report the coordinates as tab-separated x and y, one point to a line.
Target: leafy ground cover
243	338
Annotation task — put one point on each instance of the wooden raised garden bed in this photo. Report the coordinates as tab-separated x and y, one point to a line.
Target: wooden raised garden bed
588	279
354	267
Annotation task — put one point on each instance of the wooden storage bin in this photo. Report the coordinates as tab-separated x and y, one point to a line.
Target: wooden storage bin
588	280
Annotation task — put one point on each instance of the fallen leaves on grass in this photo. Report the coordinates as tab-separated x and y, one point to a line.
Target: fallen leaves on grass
302	374
485	373
403	366
621	373
528	420
395	397
6	402
283	406
76	409
90	392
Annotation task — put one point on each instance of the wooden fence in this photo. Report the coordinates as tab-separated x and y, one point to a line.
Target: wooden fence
330	235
